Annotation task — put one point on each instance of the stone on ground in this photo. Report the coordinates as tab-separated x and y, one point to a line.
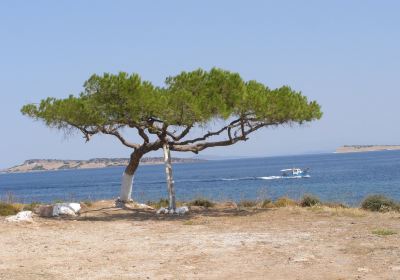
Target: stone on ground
44	210
66	209
23	216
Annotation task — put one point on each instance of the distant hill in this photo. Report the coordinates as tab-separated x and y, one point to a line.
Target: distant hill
366	148
57	164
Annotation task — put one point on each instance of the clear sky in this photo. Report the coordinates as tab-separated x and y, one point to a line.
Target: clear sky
344	54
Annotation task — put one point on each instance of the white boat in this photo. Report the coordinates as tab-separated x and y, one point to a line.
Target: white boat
295	172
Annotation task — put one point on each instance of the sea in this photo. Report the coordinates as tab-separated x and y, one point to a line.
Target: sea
343	178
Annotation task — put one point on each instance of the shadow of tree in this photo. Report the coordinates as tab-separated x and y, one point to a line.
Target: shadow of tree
109	214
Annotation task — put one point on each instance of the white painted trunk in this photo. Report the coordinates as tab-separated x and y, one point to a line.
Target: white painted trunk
126	188
170	180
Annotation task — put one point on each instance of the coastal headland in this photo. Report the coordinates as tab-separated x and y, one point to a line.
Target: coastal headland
366	148
57	164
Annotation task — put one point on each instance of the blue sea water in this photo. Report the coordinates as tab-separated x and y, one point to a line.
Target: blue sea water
346	178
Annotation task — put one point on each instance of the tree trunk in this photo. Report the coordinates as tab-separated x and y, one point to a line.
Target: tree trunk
170	180
127	176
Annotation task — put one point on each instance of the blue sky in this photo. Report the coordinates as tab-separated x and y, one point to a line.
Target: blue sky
344	54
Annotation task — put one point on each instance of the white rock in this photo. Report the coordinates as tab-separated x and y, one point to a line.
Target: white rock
162	210
44	210
68	209
76	207
144	206
23	216
182	210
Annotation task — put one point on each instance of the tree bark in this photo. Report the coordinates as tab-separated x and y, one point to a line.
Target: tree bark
170	180
128	175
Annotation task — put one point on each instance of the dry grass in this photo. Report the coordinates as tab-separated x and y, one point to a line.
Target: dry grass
163	202
266	203
216	243
247	204
87	203
338	211
7	209
30	206
284	202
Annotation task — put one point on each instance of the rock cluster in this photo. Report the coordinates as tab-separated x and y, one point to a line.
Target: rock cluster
179	210
58	209
23	216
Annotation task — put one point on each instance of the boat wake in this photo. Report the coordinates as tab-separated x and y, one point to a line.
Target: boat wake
283	177
238	179
230	179
270	177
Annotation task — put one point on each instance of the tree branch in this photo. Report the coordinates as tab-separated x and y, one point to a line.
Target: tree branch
143	134
210	134
181	135
122	139
195	148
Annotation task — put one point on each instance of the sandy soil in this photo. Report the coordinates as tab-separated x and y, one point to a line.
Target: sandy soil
282	243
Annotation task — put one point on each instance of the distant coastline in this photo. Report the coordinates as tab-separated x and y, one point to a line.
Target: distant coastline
35	165
366	148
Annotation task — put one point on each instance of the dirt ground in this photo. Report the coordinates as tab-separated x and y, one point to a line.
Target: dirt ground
279	243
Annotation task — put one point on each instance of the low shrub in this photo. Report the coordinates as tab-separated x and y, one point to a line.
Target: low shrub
247	203
163	202
379	203
31	206
384	232
201	202
285	201
267	203
7	209
309	201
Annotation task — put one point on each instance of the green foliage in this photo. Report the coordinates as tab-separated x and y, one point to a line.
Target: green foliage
379	203
201	202
384	232
7	209
190	98
309	200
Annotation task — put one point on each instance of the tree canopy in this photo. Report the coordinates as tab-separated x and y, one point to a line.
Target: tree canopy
111	102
